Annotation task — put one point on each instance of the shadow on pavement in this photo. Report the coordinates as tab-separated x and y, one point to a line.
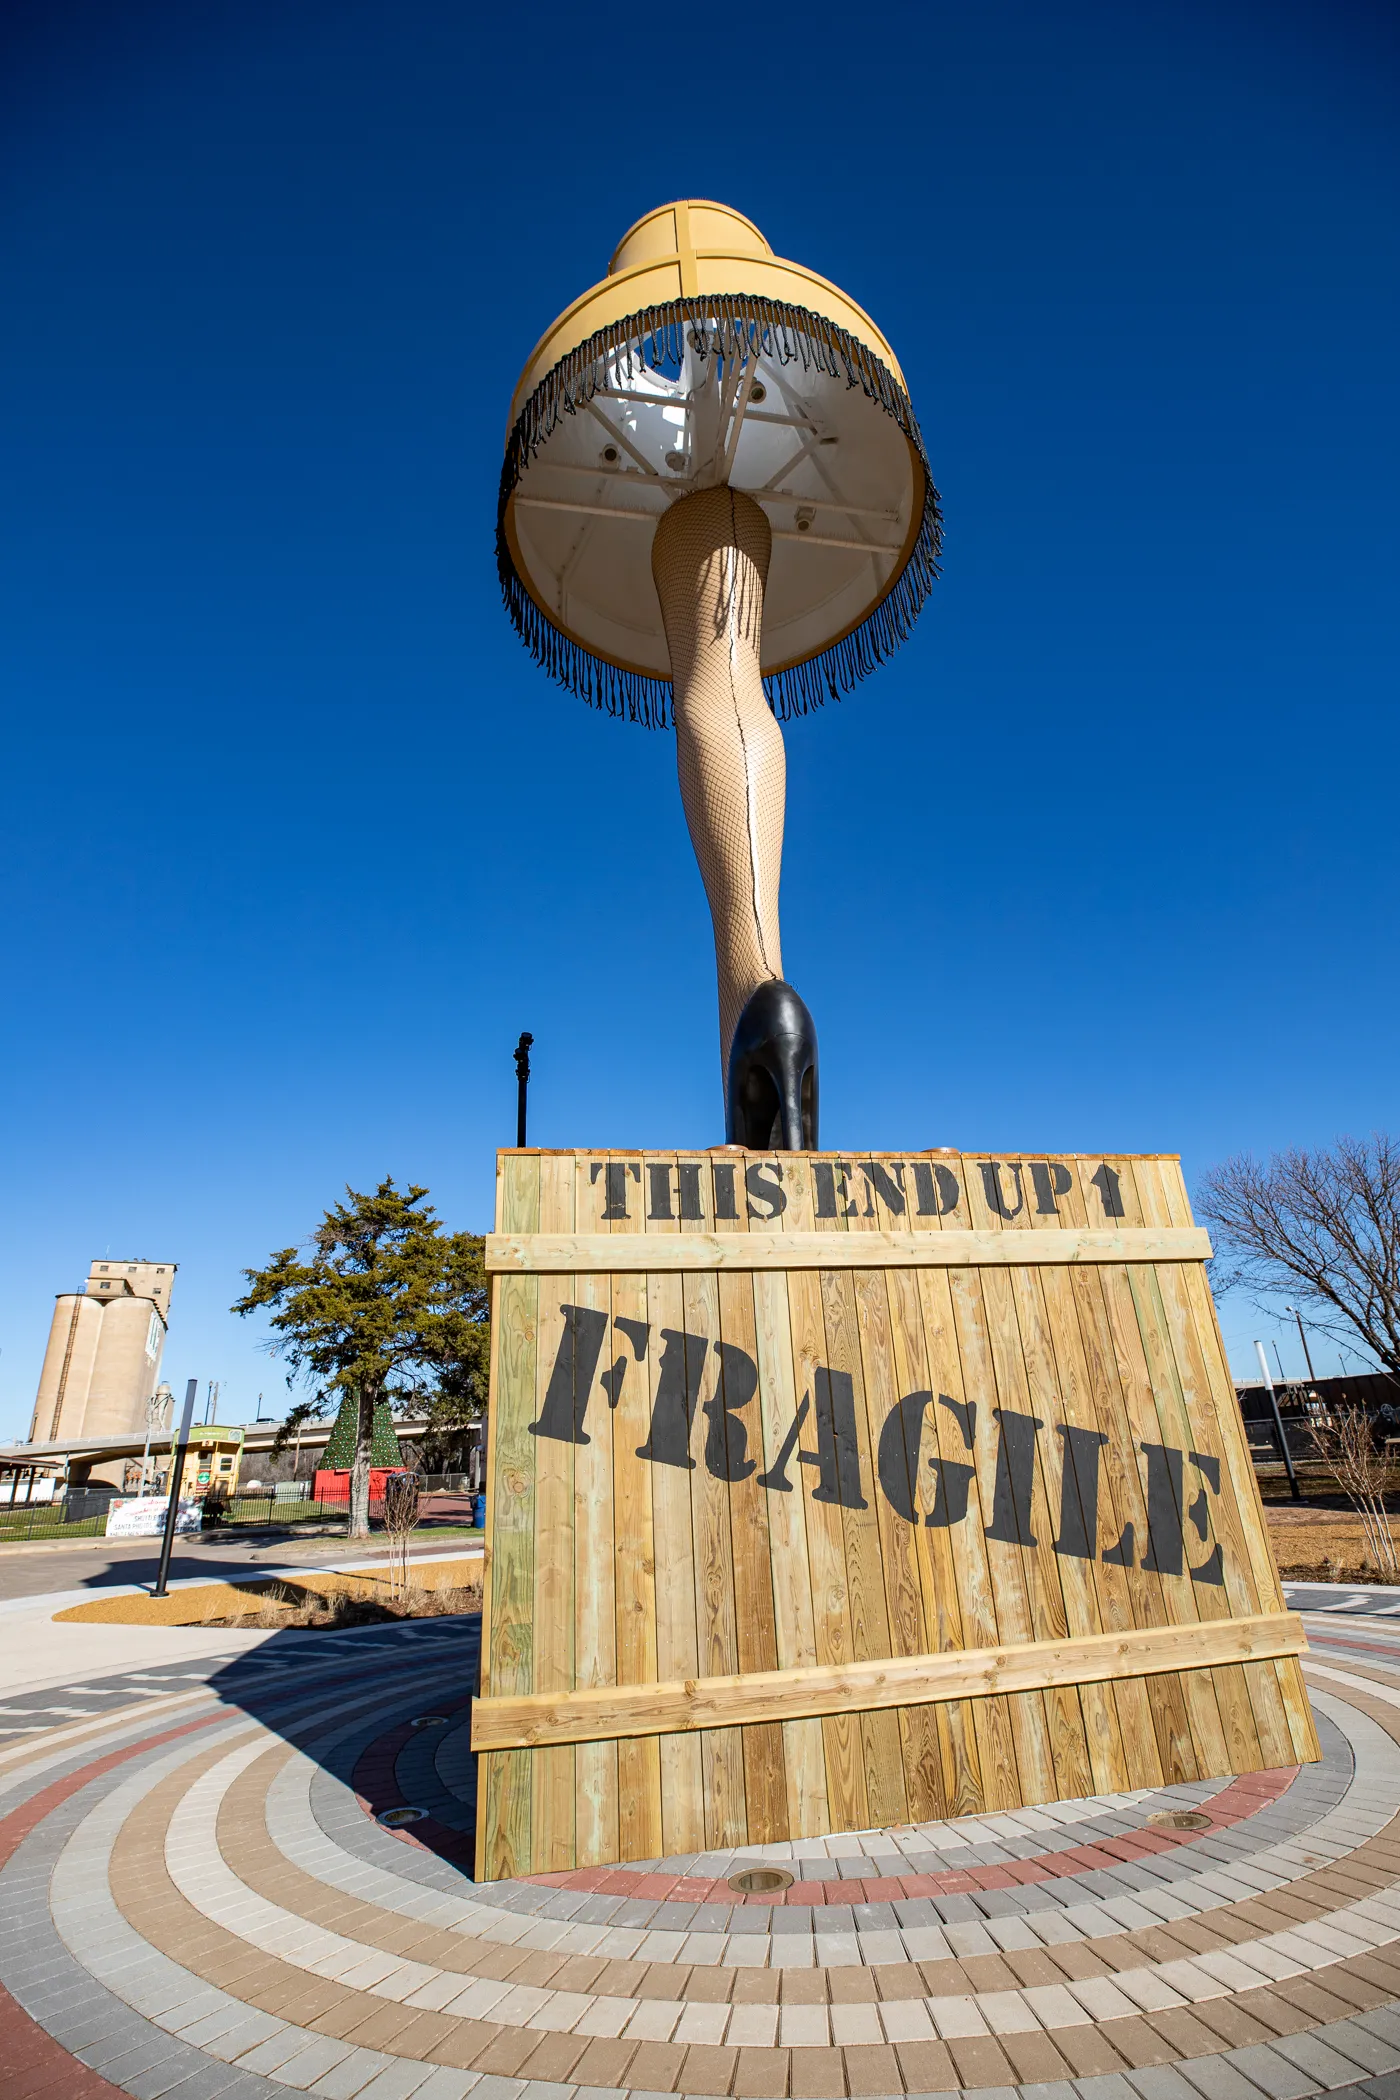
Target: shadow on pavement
220	1561
385	1711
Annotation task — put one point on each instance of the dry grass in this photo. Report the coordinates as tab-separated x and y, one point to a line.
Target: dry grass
325	1602
288	1605
1323	1545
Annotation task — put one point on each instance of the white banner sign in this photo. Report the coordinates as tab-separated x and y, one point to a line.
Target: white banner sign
143	1517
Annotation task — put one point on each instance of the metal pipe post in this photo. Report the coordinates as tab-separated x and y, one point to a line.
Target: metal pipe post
177	1467
1278	1423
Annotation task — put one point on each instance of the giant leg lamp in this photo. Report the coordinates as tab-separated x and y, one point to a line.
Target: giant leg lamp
716	510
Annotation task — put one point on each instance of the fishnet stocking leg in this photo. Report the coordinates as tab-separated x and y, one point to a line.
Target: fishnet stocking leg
710	563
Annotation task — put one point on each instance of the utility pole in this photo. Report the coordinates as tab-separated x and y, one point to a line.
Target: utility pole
1278	1423
146	1447
522	1075
155	1419
1302	1336
177	1468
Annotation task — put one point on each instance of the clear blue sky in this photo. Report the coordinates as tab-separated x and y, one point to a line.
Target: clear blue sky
297	839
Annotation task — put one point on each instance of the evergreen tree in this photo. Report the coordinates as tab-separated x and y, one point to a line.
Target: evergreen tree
383	1305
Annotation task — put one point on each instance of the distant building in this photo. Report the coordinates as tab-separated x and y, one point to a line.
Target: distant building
103	1360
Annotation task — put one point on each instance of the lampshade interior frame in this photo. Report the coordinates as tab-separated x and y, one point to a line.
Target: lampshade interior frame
775	401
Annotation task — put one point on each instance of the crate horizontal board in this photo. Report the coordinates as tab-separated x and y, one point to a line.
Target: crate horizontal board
835	1490
916	1680
562	1253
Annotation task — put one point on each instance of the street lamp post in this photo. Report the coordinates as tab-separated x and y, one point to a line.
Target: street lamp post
1307	1353
1278	1424
522	1078
177	1468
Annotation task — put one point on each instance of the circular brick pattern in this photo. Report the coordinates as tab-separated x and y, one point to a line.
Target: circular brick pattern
199	1897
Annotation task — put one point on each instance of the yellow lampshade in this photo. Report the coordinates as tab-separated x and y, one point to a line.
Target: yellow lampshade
703	359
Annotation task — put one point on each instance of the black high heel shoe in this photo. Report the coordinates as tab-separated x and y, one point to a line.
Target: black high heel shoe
772	1102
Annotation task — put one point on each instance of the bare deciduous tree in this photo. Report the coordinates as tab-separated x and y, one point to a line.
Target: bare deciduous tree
1323	1226
1359	1463
403	1505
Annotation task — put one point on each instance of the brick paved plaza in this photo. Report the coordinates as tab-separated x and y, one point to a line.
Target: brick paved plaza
198	1898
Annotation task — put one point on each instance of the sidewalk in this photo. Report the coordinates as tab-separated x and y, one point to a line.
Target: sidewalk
38	1653
35	1568
263	1887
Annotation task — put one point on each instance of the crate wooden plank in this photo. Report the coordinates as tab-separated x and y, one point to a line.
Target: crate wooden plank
909	1453
886	1794
1101	1594
540	1253
1110	1193
896	1552
596	1805
1119	1569
640	1833
880	1735
841	1739
868	1687
1030	1727
555	1770
794	1631
716	1633
1182	1603
765	1780
505	1835
959	1541
1017	1197
1175	1429
677	1650
1055	1399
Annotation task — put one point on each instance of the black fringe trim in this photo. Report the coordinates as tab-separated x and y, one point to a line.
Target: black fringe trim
656	338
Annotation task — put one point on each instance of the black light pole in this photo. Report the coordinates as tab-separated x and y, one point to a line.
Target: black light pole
177	1467
522	1075
1278	1424
1307	1353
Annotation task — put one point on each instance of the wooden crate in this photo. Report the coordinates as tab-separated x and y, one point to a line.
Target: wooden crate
832	1491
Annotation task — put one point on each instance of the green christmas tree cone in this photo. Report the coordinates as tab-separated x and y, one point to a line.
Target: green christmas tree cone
340	1448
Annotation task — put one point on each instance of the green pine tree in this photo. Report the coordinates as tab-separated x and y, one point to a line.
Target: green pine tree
382	1304
340	1446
